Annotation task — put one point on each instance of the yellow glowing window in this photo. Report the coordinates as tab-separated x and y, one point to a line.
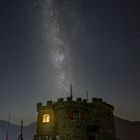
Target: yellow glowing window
46	118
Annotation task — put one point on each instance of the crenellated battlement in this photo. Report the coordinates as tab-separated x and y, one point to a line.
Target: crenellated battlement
75	103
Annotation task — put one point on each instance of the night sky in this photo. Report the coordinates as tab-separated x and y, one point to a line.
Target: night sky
46	44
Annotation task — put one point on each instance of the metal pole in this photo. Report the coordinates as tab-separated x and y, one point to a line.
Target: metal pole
7	135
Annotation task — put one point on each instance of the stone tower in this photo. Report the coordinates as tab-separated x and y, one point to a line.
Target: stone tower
75	120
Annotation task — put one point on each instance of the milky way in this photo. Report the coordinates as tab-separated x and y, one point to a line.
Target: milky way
46	44
59	50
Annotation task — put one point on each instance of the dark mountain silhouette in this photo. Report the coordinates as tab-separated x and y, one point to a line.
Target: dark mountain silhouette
126	130
14	131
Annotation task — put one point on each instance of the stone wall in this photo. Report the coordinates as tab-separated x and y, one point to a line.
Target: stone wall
76	120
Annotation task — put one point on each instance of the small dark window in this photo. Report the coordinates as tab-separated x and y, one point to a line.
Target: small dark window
77	115
93	128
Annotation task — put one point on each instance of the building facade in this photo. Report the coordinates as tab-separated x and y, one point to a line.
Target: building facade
75	120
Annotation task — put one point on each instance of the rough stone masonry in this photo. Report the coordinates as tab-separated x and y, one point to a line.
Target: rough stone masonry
75	120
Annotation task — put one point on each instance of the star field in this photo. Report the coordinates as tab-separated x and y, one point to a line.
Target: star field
46	44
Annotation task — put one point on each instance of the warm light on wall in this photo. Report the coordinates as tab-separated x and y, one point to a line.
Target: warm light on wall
46	118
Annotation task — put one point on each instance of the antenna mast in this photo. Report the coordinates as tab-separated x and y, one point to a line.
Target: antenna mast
87	96
20	136
71	95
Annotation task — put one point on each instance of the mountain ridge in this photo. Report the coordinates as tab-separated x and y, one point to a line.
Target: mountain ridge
125	130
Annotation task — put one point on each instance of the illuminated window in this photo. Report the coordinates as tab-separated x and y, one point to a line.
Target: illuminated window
46	118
